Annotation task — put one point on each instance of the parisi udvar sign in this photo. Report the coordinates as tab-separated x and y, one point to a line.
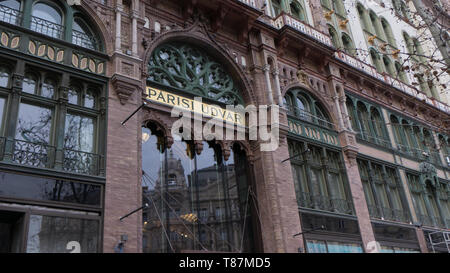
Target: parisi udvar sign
195	106
318	134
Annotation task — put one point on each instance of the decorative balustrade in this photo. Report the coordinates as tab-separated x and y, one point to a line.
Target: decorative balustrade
251	3
42	155
33	154
10	15
367	136
81	162
396	83
421	155
46	27
285	19
322	202
307	116
84	40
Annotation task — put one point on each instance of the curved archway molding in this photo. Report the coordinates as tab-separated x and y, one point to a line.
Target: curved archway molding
198	34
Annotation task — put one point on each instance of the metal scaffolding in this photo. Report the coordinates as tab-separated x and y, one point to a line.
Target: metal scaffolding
439	238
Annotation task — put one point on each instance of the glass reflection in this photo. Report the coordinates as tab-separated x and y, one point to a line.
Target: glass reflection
48	234
196	202
34	123
79	133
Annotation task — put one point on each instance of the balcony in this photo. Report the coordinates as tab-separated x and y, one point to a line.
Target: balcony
41	155
10	16
307	116
396	83
285	19
251	3
367	136
388	214
326	203
421	155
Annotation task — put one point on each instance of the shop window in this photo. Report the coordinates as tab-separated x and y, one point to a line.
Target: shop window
51	234
206	184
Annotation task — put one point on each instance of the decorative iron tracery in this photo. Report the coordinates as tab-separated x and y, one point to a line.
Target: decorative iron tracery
190	69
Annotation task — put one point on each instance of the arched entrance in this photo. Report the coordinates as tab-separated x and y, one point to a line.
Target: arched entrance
198	192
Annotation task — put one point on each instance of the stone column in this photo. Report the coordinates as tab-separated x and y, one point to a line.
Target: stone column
268	84
276	74
119	9
357	191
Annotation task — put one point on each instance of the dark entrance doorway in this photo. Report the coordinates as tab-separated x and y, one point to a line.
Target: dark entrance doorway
11	231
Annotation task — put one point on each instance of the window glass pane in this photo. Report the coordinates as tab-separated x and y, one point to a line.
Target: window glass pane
386	249
29	84
335	247
79	133
48	88
89	100
46	189
72	95
34	123
315	246
48	234
2	108
4	76
47	12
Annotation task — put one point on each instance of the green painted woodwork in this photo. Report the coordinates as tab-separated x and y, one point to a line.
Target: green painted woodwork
190	69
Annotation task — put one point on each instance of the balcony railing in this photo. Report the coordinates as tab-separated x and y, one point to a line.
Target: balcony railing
388	214
81	162
307	116
33	154
42	155
322	202
367	136
251	3
10	15
84	40
401	86
431	221
421	155
285	19
47	28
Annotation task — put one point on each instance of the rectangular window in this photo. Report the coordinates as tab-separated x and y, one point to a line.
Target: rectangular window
34	123
79	133
50	234
2	110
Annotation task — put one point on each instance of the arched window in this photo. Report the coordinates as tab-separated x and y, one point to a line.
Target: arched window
188	68
276	7
334	36
351	112
4	76
30	83
348	44
307	108
339	8
297	11
209	189
378	125
388	66
82	35
374	23
47	19
363	17
398	132
363	117
388	32
10	11
376	60
401	73
48	88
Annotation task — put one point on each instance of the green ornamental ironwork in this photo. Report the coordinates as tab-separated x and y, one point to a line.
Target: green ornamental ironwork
190	69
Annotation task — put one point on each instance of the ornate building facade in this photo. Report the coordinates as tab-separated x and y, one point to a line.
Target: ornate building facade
363	158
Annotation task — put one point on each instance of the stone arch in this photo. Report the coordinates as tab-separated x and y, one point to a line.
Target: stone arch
100	28
199	36
329	110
